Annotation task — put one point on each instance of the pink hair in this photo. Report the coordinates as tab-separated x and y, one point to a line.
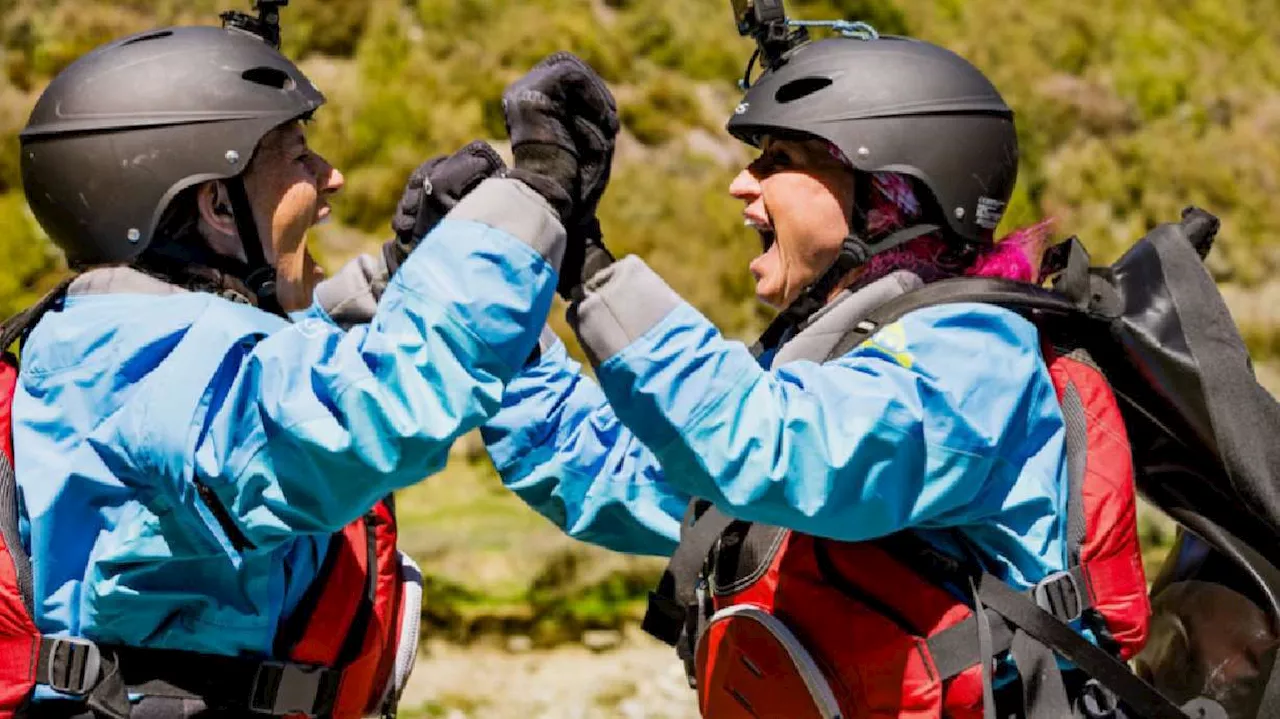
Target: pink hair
894	205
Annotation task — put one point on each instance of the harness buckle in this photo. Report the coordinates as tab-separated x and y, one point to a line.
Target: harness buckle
283	688
1060	594
73	665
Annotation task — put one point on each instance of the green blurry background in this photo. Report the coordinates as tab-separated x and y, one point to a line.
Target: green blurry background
1128	110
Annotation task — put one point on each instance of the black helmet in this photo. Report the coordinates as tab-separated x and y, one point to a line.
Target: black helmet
121	131
900	105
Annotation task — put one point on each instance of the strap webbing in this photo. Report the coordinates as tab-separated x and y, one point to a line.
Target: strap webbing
986	653
954	649
1006	293
16	326
1114	674
669	603
1270	706
262	275
1044	695
105	676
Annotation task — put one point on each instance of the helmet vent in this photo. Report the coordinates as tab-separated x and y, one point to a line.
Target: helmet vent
148	36
269	76
803	87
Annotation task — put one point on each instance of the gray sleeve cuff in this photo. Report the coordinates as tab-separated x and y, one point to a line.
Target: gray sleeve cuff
514	208
350	296
622	302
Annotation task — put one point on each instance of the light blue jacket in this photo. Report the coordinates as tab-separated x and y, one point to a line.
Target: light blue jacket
944	420
129	400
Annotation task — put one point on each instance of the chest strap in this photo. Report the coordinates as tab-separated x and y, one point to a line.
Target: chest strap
104	676
1030	625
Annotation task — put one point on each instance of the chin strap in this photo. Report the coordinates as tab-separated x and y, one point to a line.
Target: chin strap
854	252
188	262
258	275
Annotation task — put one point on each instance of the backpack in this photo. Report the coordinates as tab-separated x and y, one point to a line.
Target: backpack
1156	386
346	652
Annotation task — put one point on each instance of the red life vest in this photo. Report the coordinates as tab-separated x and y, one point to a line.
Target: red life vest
337	655
776	623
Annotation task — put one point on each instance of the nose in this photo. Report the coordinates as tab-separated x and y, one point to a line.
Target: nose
333	179
745	187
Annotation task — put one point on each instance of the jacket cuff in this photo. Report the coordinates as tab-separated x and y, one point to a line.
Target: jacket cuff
350	297
622	302
514	208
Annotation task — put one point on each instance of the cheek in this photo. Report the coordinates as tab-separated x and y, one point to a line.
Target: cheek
812	224
298	202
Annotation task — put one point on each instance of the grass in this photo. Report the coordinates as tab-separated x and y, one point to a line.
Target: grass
493	567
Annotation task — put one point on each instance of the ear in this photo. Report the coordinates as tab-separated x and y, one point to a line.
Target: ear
215	208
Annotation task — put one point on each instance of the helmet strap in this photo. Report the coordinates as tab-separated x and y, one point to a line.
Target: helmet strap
260	276
854	253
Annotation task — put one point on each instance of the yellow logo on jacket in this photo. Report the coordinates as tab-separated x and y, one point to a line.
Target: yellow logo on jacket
891	341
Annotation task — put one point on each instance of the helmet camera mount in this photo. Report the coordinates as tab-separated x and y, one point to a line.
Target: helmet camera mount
776	35
266	25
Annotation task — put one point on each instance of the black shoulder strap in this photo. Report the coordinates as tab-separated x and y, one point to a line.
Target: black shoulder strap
1019	296
16	326
669	605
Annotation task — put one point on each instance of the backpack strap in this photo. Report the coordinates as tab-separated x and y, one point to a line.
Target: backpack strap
667	616
19	324
1018	296
1033	622
104	676
1269	708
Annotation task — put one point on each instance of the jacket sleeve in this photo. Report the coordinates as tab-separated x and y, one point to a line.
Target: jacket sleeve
927	424
308	425
558	445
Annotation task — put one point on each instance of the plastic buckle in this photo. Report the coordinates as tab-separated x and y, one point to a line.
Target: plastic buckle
1097	702
1060	595
74	663
283	688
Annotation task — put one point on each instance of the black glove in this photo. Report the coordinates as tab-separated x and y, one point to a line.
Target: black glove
584	255
432	191
562	121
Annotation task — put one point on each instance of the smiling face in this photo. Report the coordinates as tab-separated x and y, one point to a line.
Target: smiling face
799	198
289	187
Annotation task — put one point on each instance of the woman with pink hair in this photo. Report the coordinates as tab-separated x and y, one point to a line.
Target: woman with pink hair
885	164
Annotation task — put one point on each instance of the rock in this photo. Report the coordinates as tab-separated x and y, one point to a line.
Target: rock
601	640
519	644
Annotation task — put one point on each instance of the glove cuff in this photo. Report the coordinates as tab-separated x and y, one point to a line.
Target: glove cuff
394	252
552	191
584	257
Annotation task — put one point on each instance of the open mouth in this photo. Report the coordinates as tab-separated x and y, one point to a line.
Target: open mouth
767	236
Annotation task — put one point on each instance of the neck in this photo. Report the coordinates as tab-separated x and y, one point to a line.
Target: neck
296	278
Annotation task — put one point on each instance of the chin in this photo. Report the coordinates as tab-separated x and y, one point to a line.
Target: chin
772	299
